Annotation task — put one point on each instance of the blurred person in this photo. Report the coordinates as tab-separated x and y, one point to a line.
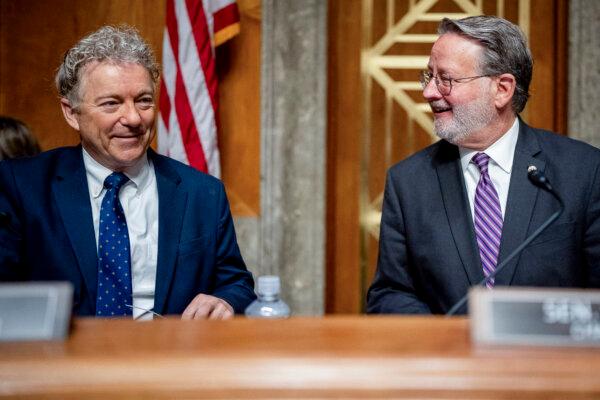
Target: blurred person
455	210
135	232
16	139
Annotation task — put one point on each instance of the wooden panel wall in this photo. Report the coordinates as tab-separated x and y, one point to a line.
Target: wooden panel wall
35	34
343	274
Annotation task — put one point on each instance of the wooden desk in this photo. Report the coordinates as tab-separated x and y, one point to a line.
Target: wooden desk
333	357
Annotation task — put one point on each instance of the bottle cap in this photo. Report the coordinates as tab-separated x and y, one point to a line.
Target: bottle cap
268	285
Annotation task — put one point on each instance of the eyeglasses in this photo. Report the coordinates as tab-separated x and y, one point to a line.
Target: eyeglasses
444	83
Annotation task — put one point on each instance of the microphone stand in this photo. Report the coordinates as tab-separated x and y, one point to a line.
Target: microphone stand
539	179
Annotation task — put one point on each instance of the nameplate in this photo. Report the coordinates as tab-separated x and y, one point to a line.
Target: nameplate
35	311
534	316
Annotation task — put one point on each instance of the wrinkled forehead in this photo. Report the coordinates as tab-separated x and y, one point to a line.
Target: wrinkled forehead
452	53
111	71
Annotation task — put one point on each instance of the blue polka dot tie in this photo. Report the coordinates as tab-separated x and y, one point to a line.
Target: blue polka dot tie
114	265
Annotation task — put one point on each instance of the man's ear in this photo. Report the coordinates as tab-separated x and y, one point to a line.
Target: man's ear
70	114
505	89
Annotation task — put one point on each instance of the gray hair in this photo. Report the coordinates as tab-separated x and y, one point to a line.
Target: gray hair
505	50
121	44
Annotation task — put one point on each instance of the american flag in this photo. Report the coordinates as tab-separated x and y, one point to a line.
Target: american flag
187	127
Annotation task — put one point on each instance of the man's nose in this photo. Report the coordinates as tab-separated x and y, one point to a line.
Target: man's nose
131	115
431	92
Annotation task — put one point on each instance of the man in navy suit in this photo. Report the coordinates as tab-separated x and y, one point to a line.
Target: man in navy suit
180	251
454	211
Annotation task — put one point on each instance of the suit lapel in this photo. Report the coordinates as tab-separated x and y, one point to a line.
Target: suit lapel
522	195
70	191
454	195
171	209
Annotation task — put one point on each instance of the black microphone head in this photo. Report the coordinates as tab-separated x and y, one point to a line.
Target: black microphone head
538	178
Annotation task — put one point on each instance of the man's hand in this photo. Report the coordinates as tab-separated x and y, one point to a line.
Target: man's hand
208	307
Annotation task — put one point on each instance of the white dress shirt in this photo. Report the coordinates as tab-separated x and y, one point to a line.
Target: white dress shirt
139	199
501	154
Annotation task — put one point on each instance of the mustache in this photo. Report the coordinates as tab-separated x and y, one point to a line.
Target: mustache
439	105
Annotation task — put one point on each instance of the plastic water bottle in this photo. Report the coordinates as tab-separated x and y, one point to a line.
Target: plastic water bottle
268	304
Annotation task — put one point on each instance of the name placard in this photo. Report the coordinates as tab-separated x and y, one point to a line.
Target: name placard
535	316
35	311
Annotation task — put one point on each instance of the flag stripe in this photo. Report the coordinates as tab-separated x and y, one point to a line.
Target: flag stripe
170	142
203	46
226	23
201	78
187	128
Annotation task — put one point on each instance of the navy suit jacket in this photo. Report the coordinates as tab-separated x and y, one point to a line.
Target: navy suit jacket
47	233
428	254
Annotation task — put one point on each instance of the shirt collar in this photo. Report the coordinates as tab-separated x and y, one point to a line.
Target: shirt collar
502	151
139	173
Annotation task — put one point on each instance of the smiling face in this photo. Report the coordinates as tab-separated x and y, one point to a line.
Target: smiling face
469	109
116	113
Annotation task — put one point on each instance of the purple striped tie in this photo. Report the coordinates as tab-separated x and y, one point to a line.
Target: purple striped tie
488	218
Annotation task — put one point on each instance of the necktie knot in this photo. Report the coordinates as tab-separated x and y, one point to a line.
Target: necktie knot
115	180
481	160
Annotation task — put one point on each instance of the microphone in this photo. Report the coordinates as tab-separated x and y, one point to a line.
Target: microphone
538	178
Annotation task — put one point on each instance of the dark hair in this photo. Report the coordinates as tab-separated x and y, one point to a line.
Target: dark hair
16	139
505	50
121	44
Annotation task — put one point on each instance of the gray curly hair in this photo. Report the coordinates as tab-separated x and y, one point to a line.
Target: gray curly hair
505	50
109	43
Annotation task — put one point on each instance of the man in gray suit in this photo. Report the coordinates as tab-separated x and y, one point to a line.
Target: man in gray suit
455	210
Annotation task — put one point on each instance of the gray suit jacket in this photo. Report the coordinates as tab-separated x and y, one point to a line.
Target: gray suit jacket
428	254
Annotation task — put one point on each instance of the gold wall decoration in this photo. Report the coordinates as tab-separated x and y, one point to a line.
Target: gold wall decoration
397	36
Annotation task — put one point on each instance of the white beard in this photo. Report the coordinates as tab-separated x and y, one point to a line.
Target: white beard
466	119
